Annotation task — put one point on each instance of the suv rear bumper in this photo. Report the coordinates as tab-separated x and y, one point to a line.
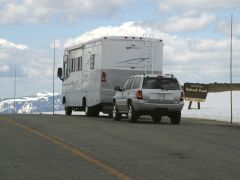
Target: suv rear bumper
150	107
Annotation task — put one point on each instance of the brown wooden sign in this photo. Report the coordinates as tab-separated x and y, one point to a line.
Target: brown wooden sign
195	92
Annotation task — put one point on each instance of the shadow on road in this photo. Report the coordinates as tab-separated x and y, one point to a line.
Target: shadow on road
141	120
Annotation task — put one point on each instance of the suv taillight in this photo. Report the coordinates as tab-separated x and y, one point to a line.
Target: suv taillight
103	76
139	94
182	96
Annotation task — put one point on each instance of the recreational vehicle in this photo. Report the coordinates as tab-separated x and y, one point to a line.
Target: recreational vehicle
92	69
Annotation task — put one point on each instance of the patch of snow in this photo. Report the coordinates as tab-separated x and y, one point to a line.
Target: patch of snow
43	94
216	107
40	102
26	108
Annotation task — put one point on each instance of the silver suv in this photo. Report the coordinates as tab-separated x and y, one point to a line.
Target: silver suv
154	95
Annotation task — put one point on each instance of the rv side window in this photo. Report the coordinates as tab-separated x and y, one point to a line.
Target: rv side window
130	83
70	65
79	64
125	85
73	65
136	83
76	64
92	59
65	70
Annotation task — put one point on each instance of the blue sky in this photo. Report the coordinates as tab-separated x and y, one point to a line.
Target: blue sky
195	33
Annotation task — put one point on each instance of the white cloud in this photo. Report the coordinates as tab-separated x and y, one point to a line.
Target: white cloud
30	63
3	55
34	69
4	68
126	29
164	7
224	26
188	22
33	11
8	44
57	43
209	45
200	5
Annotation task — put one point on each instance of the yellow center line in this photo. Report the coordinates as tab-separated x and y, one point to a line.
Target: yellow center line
76	151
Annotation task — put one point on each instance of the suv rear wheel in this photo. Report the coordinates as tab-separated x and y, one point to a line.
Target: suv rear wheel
115	114
132	114
175	117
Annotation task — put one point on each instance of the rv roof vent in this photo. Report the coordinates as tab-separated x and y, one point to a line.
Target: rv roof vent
125	37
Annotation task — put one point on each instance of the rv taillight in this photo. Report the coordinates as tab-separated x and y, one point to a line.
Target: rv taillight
182	96
139	94
104	76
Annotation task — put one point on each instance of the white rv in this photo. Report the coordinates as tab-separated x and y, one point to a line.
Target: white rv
91	70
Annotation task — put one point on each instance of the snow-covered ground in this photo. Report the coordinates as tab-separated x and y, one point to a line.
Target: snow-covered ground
39	102
216	107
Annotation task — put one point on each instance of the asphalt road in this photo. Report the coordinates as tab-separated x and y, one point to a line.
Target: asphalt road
58	147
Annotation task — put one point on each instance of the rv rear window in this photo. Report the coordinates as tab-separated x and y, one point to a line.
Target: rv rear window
92	59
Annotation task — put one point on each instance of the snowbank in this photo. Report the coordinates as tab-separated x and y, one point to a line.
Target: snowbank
217	107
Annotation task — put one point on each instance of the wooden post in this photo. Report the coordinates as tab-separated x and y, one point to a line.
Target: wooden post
190	105
198	105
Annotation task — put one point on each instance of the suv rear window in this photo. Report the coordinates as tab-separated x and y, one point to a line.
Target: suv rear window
160	83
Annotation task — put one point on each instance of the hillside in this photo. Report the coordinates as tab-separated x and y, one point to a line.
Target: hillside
220	87
41	102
